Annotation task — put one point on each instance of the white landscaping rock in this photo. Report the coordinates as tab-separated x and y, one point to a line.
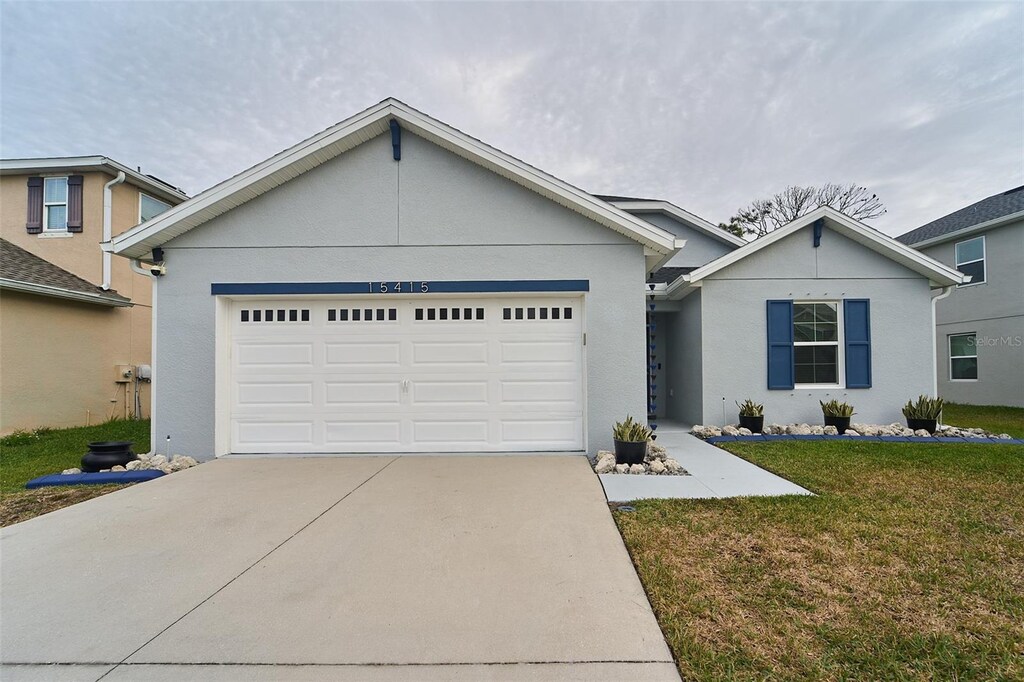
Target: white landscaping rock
743	431
817	430
118	468
831	431
68	472
922	433
133	465
622	468
798	430
673	467
657	467
730	430
637	469
850	432
156	462
605	465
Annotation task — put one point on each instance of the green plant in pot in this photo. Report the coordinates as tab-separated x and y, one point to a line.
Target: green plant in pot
751	415
630	438
923	413
837	414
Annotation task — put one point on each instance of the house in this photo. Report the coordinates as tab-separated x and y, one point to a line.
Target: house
981	325
395	285
73	321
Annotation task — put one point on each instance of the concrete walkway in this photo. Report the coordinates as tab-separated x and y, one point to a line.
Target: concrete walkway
382	568
713	473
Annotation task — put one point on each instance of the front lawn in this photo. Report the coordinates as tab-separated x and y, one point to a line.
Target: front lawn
908	564
24	456
994	418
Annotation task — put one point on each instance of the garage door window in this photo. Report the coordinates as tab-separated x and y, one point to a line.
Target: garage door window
274	315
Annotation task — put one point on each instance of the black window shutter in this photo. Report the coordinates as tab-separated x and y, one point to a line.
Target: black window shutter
34	224
75	203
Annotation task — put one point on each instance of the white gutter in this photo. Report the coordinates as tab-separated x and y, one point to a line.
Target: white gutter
946	291
60	292
107	222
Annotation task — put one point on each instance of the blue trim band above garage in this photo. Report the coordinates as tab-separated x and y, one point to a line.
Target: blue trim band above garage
384	288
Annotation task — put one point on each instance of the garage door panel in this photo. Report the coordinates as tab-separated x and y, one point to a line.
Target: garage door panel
349	394
467	380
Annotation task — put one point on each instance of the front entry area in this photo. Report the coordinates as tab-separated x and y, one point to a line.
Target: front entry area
414	374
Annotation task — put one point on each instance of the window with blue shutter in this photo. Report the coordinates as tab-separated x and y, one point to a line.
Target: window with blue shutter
780	345
857	333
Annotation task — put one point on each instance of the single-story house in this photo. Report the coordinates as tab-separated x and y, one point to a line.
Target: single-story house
395	285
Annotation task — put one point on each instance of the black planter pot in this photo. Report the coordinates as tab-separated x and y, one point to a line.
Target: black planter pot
755	424
841	423
929	425
630	452
107	454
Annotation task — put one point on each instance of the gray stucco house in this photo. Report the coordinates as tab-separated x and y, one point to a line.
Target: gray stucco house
981	324
395	285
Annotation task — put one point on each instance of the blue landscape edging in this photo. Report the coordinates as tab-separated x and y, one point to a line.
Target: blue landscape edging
95	479
884	439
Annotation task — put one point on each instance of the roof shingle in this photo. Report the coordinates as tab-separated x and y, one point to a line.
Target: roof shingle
19	265
995	206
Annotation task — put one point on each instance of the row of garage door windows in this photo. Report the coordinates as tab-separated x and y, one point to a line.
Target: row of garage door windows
391	314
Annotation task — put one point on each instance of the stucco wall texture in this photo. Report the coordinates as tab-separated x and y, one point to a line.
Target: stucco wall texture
59	357
365	217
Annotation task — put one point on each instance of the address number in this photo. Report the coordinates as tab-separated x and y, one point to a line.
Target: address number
399	287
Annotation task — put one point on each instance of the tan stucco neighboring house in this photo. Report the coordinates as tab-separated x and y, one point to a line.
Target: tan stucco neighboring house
75	324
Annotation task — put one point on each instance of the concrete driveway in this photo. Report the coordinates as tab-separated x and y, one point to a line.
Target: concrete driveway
376	568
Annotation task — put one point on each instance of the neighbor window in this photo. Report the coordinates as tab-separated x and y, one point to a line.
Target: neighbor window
55	204
970	259
963	357
150	207
816	348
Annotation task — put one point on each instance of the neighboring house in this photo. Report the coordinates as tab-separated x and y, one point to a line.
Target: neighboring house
981	325
394	285
73	321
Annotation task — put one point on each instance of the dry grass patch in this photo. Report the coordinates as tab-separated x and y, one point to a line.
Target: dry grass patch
909	564
27	504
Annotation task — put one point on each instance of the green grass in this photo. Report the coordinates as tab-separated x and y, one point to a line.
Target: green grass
995	418
908	564
24	456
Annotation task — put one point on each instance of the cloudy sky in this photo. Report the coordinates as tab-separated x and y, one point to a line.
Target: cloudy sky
707	105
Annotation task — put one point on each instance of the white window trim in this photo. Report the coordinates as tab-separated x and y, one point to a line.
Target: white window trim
838	343
48	204
949	354
150	196
983	260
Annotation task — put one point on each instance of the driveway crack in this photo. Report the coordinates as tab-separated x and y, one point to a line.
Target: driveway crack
249	568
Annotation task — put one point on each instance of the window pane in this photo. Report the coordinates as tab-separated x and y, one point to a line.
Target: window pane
962	344
803	331
816	364
824	312
964	368
815	322
55	190
803	312
972	249
150	207
56	217
976	270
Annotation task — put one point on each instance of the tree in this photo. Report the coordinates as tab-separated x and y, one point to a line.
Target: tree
765	215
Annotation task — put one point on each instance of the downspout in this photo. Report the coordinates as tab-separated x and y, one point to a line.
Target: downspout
946	291
107	224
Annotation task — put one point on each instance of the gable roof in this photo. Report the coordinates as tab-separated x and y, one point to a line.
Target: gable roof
85	164
990	212
23	271
634	206
308	154
938	275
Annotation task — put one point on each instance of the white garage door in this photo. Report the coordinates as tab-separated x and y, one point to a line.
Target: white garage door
406	375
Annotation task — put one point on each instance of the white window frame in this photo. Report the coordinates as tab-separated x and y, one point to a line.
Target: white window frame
949	354
983	260
838	343
150	196
48	204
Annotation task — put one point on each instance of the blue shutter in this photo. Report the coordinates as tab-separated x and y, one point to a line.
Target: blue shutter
780	345
857	325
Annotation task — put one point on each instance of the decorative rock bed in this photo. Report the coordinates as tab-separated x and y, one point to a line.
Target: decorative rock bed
656	463
895	429
146	462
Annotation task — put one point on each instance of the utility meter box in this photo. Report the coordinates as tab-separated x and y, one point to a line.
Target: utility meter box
122	374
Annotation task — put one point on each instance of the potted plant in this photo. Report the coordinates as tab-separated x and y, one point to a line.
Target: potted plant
837	414
923	413
630	441
751	415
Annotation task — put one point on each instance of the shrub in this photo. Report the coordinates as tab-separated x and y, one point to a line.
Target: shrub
630	431
748	408
923	408
834	408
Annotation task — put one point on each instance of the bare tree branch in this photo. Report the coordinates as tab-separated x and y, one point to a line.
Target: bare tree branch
766	215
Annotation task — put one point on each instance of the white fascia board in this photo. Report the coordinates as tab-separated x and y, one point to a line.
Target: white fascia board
684	216
937	273
58	292
967	231
138	241
86	163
